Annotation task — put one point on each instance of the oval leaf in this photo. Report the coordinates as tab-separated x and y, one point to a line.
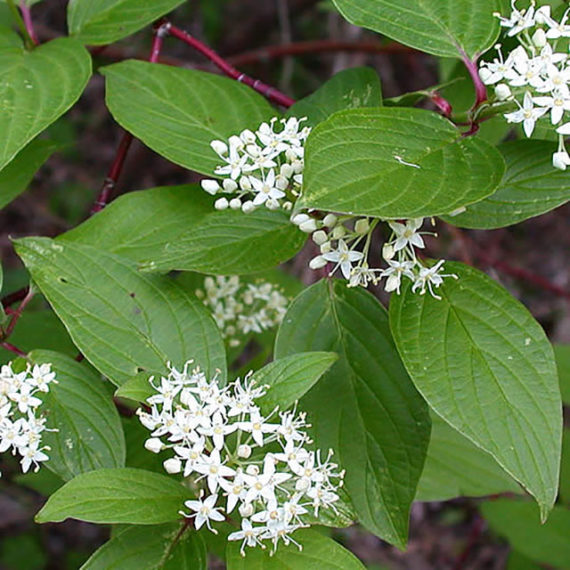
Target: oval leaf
178	228
99	22
365	408
396	163
319	553
530	187
116	496
291	377
90	435
122	321
486	367
36	88
178	112
158	547
448	28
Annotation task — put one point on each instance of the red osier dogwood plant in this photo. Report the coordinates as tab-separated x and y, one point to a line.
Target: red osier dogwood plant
351	411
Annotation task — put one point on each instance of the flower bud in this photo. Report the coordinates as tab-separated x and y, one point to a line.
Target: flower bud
248	207
298	219
246	510
308	226
247	136
252	470
244	183
221	204
172	465
210	186
539	38
219	147
338	232
286	170
235	203
326	247
229	185
541	15
272	204
330	220
388	251
560	160
503	92
244	451
153	444
485	74
362	226
320	237
302	485
317	262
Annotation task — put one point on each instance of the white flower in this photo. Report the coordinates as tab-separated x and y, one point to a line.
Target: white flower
32	455
395	272
430	277
257	426
557	104
248	534
560	160
265	188
205	511
343	257
527	114
557	29
407	234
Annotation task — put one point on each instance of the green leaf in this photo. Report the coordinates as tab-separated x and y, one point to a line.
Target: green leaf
9	38
455	467
98	22
178	228
530	186
562	355
518	522
348	89
396	163
36	88
2	313
16	177
122	321
39	329
565	468
178	112
291	377
152	548
319	553
137	388
486	367
90	435
115	496
517	561
365	407
447	28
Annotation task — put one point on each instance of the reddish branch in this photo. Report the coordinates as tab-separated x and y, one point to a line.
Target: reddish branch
266	90
14	297
27	17
12	348
15	315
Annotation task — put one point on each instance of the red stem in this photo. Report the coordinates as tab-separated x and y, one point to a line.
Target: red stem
12	348
110	181
480	89
17	314
476	531
27	17
14	297
266	90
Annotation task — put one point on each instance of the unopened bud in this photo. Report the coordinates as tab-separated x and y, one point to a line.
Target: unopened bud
539	38
560	160
219	147
298	219
153	444
503	92
235	203
330	220
388	251
244	451
485	74
221	204
172	465
248	207
339	232
309	226
246	510
362	226
317	262
320	237
252	470
244	183
229	185
210	186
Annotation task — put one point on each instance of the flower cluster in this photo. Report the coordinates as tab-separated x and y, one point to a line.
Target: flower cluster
240	308
264	168
534	75
249	466
20	424
344	240
338	238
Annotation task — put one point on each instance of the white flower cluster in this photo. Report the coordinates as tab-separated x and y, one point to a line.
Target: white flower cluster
339	236
251	466
20	424
534	75
240	308
264	168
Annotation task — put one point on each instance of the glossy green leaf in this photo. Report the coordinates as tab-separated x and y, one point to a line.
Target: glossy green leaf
396	163
122	321
291	377
518	522
178	228
348	89
565	468
562	355
137	388
178	112
36	88
9	38
530	186
152	548
455	467
517	561
16	177
319	553
98	22
486	367
115	496
90	435
448	28
365	407
39	329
